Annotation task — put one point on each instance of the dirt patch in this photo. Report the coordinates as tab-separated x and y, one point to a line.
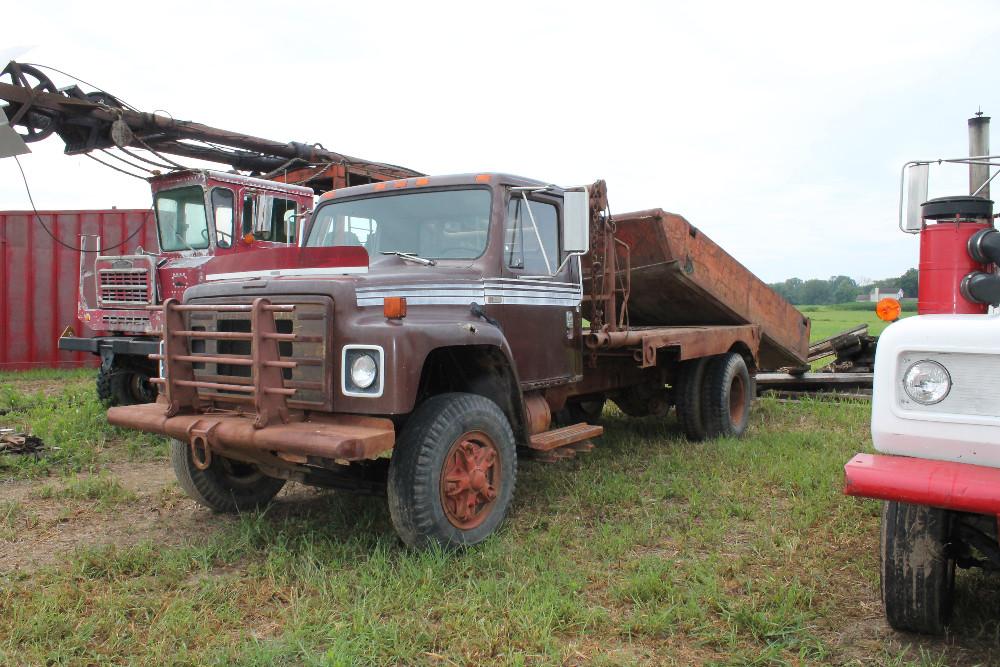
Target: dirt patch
45	529
46	387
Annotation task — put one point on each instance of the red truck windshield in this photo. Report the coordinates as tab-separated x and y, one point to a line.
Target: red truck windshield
446	224
181	220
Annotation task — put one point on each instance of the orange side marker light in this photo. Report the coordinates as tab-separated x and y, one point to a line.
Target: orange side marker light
394	307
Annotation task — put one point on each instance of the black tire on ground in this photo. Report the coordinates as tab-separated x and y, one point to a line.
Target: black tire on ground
227	485
727	394
104	392
453	472
687	397
918	576
125	384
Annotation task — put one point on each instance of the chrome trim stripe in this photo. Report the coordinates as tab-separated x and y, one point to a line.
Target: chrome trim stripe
508	291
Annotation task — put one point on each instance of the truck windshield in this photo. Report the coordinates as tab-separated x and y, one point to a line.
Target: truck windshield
181	220
446	224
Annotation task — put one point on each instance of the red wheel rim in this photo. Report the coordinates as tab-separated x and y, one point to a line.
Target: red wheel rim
470	480
737	399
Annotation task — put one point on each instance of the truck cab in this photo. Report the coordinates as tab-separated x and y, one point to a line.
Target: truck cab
204	219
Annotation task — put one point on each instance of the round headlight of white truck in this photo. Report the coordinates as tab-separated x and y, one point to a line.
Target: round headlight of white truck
927	382
364	370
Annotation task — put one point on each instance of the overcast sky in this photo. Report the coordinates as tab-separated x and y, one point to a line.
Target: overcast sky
776	128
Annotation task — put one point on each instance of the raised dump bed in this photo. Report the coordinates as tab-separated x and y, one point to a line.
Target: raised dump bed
682	277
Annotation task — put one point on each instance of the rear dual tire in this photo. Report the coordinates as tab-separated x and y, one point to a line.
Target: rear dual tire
713	397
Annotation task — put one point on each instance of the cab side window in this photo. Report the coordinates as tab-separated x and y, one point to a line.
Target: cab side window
249	210
522	250
282	221
223	214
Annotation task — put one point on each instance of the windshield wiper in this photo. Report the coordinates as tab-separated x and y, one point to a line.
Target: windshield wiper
183	242
413	257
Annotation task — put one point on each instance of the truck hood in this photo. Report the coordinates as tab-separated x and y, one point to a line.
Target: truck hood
338	274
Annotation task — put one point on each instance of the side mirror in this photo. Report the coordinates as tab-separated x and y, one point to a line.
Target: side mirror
576	221
299	220
916	195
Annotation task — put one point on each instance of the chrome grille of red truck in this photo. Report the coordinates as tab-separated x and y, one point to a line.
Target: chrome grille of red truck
124	287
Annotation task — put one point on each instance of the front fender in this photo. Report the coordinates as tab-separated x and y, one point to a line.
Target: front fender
406	344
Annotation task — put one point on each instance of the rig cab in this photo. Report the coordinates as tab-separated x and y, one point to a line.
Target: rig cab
207	222
936	402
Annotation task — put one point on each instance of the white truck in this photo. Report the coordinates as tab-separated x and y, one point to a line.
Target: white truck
936	403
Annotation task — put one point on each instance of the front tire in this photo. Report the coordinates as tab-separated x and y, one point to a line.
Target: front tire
453	472
226	486
125	384
918	576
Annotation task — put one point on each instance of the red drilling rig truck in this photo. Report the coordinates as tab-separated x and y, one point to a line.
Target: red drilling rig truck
936	401
208	222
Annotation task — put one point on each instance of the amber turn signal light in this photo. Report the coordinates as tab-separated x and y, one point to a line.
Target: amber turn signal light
248	238
394	307
888	309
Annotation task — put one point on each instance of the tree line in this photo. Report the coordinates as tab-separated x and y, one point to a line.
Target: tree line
842	289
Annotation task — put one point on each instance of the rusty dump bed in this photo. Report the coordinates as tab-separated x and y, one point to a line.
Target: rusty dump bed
681	277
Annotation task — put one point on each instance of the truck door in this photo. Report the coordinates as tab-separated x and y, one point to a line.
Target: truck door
539	304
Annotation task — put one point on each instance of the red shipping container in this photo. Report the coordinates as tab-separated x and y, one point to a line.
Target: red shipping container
39	278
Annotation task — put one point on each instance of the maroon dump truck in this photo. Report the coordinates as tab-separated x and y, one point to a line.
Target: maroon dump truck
430	331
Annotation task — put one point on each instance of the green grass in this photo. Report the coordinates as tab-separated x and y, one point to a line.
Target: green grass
648	550
830	320
12	516
105	490
61	408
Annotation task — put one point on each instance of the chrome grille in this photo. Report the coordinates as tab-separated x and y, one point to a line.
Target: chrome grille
124	287
123	322
311	377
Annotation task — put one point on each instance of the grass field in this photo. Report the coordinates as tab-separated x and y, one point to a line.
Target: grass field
830	320
649	550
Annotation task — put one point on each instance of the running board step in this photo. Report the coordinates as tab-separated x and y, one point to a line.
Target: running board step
567	435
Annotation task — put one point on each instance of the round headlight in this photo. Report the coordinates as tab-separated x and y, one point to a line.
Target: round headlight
364	370
927	382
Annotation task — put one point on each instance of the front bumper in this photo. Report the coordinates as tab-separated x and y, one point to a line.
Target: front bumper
961	487
335	437
117	345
